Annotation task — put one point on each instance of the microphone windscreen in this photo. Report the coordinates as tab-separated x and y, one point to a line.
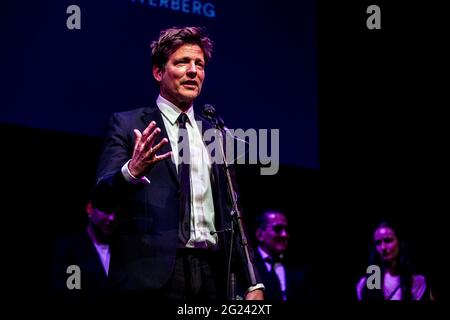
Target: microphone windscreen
209	111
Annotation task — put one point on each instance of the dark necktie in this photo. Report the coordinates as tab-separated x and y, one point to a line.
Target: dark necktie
185	181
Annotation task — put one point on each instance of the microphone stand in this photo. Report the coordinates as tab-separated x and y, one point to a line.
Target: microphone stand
236	219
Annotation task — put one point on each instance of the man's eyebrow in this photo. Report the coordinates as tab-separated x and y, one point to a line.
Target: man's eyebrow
182	58
190	58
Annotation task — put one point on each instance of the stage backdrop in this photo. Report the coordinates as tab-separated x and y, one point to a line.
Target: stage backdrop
263	72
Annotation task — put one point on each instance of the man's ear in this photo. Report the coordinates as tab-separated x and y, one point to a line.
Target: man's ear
157	73
89	208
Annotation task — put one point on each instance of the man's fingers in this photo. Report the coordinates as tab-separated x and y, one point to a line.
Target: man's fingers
159	145
137	137
147	139
149	129
151	139
163	156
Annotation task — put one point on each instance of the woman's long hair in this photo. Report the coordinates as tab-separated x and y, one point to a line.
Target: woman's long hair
402	268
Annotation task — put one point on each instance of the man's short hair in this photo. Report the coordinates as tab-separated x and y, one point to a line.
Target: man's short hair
173	38
261	219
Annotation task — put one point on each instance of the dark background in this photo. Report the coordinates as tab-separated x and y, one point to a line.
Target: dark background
72	80
381	126
382	134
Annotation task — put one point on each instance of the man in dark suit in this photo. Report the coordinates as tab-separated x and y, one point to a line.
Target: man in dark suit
282	280
156	165
89	251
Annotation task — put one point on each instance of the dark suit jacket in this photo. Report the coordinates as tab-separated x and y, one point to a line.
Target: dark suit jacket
143	256
78	250
298	286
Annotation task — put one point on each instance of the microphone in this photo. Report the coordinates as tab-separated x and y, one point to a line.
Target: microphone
210	112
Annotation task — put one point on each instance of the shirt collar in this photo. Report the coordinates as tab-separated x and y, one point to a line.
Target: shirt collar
265	255
172	112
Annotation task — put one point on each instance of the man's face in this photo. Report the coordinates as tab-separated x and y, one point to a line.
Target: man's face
182	76
386	243
274	238
103	222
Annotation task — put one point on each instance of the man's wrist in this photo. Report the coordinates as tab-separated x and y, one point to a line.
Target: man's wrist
130	178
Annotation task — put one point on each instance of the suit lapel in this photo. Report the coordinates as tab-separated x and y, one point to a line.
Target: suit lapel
215	177
206	125
153	114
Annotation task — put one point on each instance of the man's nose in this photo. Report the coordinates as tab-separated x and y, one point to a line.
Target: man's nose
192	68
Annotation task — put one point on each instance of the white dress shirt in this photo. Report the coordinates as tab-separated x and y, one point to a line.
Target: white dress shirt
103	250
202	205
104	254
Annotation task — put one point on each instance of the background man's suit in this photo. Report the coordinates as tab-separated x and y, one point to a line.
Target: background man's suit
298	286
78	250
